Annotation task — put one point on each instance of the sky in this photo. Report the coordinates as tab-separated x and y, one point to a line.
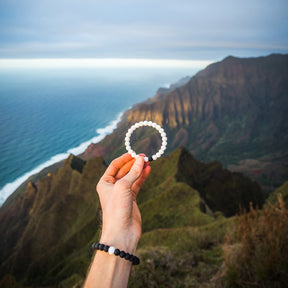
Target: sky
150	29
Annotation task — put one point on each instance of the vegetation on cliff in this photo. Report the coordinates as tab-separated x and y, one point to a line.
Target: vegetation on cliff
255	251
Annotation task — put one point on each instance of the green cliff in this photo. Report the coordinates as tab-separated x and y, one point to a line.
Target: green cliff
47	231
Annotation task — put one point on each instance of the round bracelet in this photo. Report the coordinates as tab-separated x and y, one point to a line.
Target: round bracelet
151	124
113	251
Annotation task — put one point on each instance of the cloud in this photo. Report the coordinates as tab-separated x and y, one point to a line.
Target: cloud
101	63
147	29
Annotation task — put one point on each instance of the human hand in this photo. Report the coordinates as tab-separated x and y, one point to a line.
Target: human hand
118	189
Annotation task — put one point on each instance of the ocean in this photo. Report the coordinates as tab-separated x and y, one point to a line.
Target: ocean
46	114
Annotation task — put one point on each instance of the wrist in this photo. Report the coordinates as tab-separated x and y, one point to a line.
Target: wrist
127	242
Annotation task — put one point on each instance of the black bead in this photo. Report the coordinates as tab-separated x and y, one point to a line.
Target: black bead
127	256
122	254
150	159
116	252
101	247
97	246
106	248
136	261
131	258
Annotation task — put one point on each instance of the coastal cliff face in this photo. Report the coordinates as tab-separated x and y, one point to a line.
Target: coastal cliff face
234	111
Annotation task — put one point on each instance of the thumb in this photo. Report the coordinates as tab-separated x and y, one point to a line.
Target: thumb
134	173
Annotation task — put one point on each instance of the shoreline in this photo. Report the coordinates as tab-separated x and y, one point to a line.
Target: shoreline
8	189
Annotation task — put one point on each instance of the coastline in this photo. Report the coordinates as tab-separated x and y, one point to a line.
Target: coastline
8	189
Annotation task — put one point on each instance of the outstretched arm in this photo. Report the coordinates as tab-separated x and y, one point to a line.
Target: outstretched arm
118	189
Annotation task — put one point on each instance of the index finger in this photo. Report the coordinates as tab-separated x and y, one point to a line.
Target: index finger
116	164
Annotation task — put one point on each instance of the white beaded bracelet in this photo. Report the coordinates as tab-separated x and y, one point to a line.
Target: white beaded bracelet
151	124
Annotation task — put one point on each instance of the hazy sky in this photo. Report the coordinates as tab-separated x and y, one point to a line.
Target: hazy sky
180	29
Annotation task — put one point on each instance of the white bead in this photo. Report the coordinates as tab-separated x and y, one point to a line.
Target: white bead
111	250
151	124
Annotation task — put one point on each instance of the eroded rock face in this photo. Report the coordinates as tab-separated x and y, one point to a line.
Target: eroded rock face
233	110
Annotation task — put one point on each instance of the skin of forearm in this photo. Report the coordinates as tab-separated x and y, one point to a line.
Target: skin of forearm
116	269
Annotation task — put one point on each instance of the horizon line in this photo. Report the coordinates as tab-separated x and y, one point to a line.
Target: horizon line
100	63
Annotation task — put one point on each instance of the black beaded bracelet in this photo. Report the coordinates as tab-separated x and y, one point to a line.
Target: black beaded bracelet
112	250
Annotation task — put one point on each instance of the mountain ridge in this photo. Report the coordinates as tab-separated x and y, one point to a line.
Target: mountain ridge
47	230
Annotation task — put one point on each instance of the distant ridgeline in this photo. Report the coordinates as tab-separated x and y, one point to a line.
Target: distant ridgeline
234	112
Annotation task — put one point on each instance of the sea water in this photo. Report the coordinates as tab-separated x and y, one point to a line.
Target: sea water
46	114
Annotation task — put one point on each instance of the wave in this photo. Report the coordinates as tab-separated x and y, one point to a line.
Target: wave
9	188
